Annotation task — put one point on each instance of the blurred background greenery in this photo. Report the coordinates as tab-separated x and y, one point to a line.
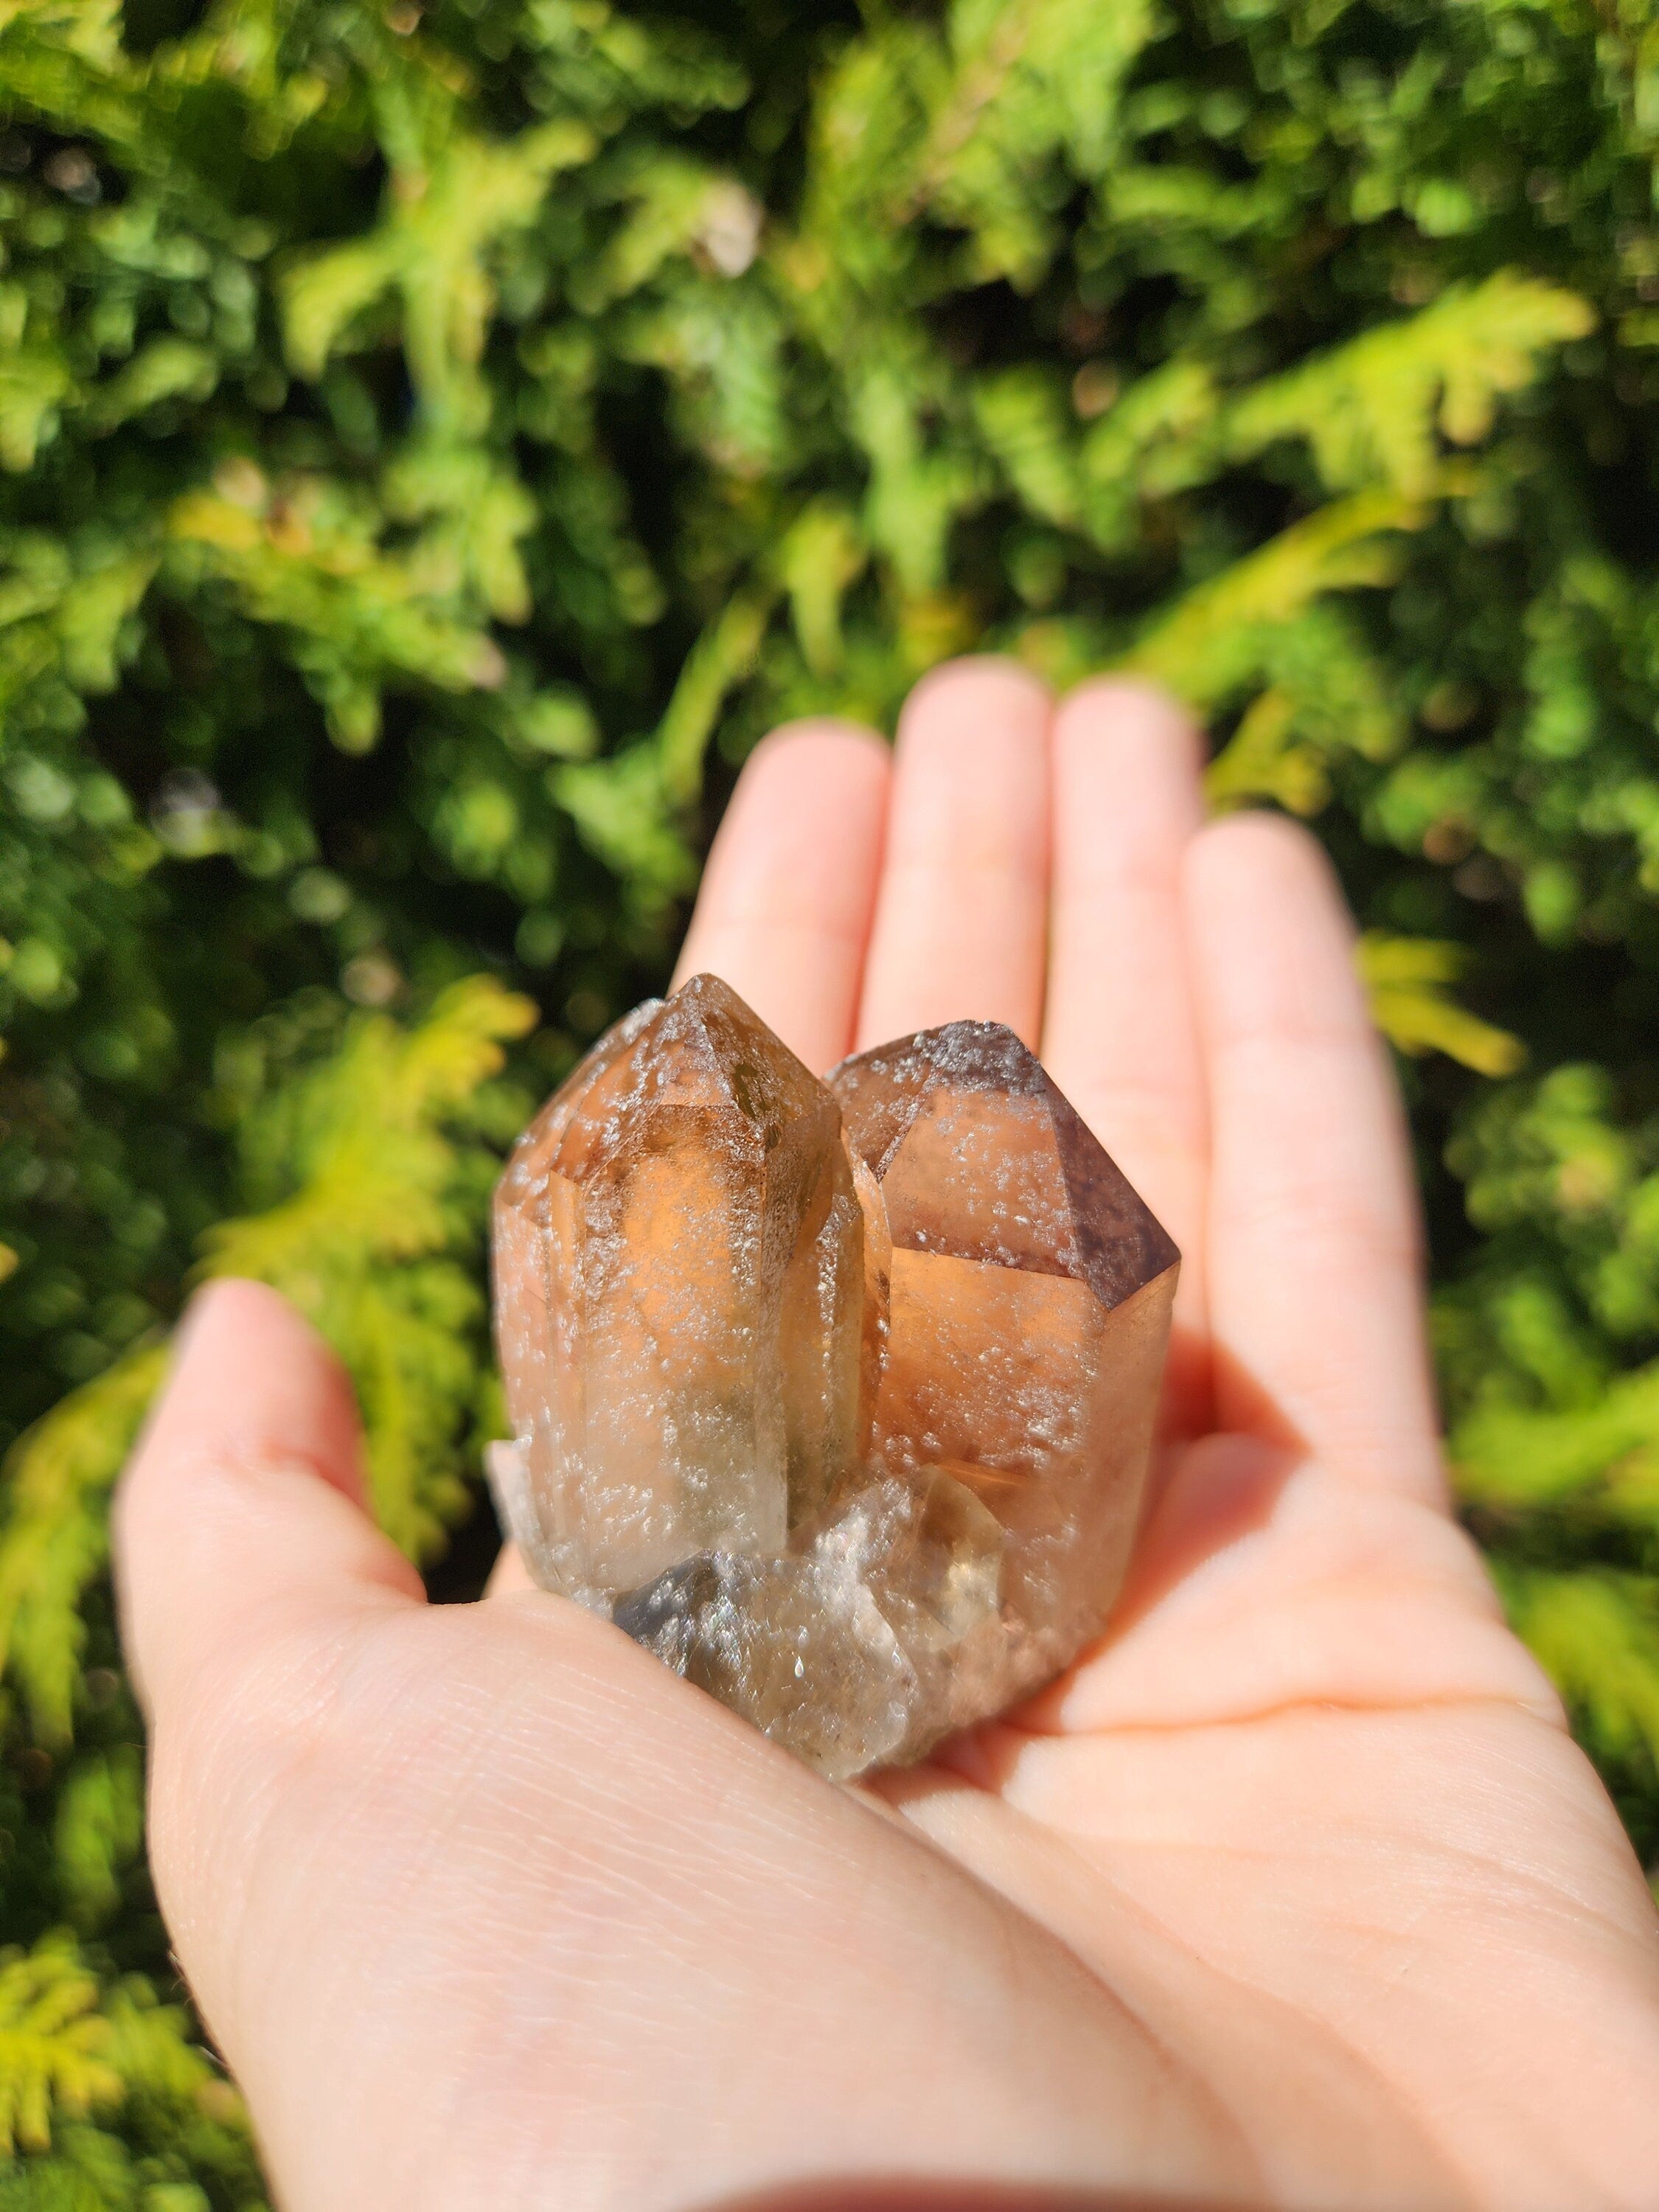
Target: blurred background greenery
436	441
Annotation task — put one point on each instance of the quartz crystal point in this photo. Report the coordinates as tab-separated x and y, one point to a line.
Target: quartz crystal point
1027	1315
838	1398
678	1284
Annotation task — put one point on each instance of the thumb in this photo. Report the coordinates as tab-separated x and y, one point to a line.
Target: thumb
241	1507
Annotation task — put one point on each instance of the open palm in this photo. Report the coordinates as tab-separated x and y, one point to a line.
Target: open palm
1294	1891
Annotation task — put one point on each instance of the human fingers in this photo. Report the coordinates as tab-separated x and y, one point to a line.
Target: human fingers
962	911
1119	1032
1314	1261
784	913
242	1503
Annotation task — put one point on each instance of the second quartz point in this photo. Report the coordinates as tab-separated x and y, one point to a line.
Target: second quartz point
1027	1300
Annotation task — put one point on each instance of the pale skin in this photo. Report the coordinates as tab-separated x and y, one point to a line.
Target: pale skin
1293	1891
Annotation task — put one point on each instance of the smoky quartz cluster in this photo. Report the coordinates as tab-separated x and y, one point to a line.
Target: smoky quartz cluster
838	1395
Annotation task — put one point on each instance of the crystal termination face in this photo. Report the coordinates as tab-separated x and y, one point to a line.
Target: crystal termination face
837	1396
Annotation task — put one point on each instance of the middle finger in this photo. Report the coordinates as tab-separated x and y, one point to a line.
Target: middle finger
1119	1032
961	917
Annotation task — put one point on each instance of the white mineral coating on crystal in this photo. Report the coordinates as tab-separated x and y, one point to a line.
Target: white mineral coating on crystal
849	1427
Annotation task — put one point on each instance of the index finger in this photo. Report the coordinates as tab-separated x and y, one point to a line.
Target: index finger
784	913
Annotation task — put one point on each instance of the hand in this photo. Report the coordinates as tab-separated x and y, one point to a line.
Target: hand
1295	1891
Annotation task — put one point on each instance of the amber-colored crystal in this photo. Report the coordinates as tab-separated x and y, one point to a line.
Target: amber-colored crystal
1029	1315
678	1284
848	1427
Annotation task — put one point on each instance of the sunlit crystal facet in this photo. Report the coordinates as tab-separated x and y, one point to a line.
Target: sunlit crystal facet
1028	1316
839	1398
678	1288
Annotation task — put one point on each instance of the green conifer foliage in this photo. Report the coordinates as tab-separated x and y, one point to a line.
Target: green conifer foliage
437	437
